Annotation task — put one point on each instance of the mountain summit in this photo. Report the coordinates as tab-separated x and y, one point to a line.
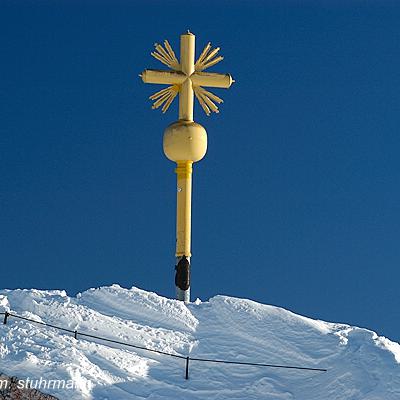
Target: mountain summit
359	363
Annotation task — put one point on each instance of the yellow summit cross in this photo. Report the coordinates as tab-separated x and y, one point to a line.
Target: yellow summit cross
186	77
185	141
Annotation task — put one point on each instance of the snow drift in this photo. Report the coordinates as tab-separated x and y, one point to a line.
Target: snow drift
361	365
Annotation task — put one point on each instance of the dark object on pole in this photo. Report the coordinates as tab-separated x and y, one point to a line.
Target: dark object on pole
6	314
182	276
187	368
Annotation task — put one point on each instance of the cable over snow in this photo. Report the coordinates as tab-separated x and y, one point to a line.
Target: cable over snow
361	365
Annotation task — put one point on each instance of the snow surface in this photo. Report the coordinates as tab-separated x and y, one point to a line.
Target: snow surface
360	364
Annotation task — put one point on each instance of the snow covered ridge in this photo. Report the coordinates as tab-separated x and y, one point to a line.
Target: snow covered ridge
360	364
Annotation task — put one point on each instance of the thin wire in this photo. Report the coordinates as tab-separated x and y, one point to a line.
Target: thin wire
95	337
257	364
76	333
131	345
40	323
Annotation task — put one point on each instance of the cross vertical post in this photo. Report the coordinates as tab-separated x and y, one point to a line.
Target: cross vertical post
185	141
187	65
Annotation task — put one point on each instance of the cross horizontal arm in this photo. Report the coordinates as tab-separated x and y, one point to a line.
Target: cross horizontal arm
163	77
210	79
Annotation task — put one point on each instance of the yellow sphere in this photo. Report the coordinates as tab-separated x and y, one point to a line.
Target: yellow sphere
185	141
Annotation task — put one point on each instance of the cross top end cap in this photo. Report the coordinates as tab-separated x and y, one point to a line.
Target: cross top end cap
185	141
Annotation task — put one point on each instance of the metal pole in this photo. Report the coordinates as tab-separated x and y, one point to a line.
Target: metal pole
185	141
187	368
183	229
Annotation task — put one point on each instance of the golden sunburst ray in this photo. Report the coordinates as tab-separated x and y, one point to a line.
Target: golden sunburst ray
202	103
207	58
164	97
166	56
160	93
203	53
206	100
212	62
172	54
212	96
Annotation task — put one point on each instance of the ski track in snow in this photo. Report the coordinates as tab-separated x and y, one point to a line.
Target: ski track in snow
360	364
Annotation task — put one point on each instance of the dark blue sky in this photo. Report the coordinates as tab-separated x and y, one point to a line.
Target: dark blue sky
297	201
